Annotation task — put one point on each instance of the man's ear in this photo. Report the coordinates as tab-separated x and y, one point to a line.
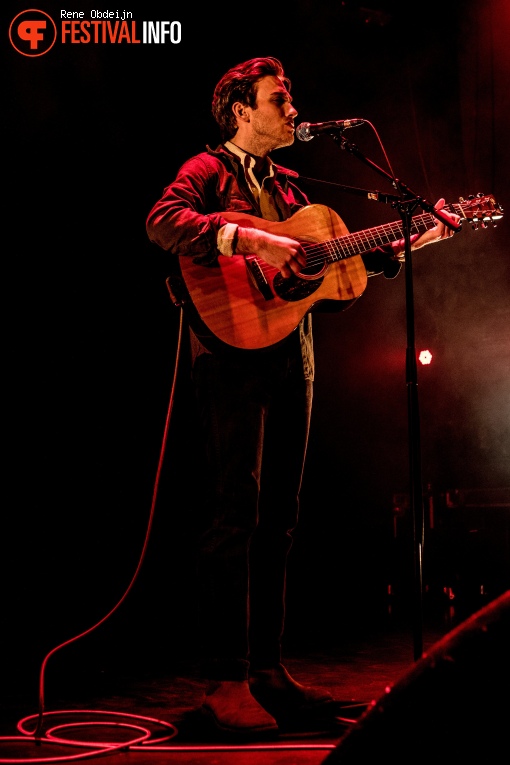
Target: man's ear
241	112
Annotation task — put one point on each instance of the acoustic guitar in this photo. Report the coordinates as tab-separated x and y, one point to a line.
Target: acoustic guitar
246	303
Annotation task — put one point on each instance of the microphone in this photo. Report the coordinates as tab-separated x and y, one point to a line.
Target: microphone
306	131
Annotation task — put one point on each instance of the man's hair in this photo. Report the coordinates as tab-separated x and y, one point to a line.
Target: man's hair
239	84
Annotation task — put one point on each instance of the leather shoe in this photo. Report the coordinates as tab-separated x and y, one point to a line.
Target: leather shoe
289	702
230	706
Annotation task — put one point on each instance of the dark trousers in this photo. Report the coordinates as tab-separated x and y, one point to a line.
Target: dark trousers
256	418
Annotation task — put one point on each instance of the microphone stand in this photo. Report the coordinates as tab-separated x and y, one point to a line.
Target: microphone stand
406	203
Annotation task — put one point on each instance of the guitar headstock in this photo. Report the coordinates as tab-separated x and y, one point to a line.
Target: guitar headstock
480	210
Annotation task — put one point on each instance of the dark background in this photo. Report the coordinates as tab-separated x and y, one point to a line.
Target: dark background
94	133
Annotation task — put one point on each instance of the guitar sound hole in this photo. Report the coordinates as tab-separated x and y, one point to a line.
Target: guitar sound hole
316	271
294	288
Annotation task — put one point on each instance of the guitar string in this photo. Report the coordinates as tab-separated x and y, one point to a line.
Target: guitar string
346	246
350	243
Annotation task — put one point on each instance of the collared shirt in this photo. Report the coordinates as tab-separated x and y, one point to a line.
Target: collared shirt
261	190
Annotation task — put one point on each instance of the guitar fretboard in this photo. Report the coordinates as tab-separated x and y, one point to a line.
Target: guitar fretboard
350	245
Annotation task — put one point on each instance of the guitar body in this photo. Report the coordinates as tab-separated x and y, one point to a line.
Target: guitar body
246	304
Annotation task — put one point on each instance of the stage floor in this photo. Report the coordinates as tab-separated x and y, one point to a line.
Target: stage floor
358	673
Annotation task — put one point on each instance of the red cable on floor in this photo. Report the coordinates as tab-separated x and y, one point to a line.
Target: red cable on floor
146	741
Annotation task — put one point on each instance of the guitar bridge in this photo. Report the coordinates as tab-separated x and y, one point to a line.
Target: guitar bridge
258	277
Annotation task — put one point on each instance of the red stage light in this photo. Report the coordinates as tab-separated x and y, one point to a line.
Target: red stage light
425	357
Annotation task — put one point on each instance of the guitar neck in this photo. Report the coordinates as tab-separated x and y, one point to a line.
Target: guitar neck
362	241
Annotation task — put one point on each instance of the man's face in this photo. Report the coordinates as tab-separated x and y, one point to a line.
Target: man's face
272	119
